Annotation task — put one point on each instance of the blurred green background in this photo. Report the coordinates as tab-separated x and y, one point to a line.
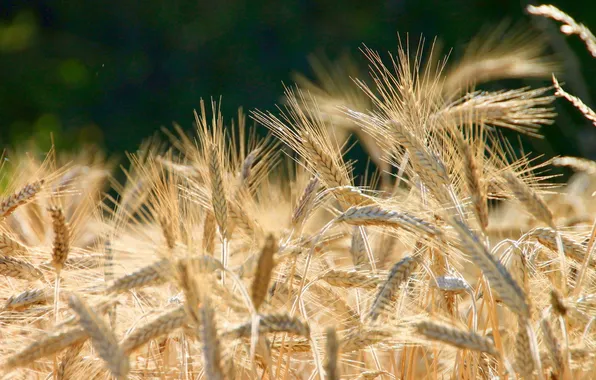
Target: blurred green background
112	73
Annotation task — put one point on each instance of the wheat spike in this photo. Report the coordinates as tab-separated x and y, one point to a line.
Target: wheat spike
61	245
26	298
271	323
163	324
532	201
208	334
569	27
451	284
9	204
264	271
19	269
576	163
67	369
474	181
102	338
153	274
359	338
47	344
554	349
499	278
523	351
377	216
462	339
548	238
350	279
332	349
9	246
218	194
558	303
304	204
209	229
399	273
358	250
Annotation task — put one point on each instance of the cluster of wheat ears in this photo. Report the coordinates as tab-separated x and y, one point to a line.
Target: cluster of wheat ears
221	257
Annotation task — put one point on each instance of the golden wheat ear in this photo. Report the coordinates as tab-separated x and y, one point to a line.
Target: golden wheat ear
504	52
569	27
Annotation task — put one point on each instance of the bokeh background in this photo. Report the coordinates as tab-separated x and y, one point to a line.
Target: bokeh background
112	73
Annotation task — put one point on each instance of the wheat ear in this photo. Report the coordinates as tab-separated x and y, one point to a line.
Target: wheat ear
399	273
102	338
9	204
162	324
458	338
332	350
264	271
9	246
19	269
498	276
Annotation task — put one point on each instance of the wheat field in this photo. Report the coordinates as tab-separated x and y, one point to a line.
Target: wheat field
228	255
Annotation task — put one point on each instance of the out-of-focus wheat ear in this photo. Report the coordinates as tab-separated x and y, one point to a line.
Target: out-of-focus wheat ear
304	205
210	340
271	323
242	220
332	351
246	168
499	278
552	344
524	363
218	192
350	279
46	345
9	204
358	250
360	338
264	271
26	298
548	238
516	264
474	181
168	232
67	368
399	273
163	324
569	27
559	305
458	338
108	276
153	274
528	197
102	338
209	232
61	245
9	246
577	102
576	163
19	269
372	375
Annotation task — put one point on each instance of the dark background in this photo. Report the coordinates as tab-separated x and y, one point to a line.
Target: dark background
114	72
